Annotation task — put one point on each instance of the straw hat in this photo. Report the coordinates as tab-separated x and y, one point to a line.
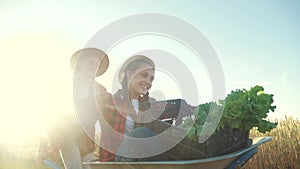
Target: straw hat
131	60
91	52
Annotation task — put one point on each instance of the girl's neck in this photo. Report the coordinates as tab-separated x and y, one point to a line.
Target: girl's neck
133	95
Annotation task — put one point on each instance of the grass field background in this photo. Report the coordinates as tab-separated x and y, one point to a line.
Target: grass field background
283	152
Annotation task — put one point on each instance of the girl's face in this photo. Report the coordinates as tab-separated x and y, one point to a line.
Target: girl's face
140	81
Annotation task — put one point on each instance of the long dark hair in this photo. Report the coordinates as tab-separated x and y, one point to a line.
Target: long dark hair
144	103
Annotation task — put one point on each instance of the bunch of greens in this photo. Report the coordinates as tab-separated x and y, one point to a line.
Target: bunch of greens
242	109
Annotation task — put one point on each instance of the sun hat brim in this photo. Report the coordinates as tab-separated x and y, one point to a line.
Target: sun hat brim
104	63
131	60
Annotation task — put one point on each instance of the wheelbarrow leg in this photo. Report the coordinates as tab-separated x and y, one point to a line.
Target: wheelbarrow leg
241	160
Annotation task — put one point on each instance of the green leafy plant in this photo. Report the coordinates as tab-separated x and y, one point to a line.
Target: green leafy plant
242	109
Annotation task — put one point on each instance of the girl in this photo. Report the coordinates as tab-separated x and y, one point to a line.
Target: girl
73	138
136	76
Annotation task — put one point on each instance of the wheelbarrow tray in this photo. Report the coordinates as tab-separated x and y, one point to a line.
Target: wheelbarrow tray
220	162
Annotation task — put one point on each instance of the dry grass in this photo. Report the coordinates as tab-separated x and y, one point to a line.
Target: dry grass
283	152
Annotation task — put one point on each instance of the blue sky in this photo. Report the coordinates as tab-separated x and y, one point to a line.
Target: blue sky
257	42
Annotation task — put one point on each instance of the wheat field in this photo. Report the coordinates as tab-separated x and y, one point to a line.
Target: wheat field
283	152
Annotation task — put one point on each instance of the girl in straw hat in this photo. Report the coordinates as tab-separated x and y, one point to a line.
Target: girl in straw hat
73	139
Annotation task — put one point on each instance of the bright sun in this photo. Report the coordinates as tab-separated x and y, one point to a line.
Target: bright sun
36	84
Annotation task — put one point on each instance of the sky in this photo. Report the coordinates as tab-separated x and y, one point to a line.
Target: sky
257	43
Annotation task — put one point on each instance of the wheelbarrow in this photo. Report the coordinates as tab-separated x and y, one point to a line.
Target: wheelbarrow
228	161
